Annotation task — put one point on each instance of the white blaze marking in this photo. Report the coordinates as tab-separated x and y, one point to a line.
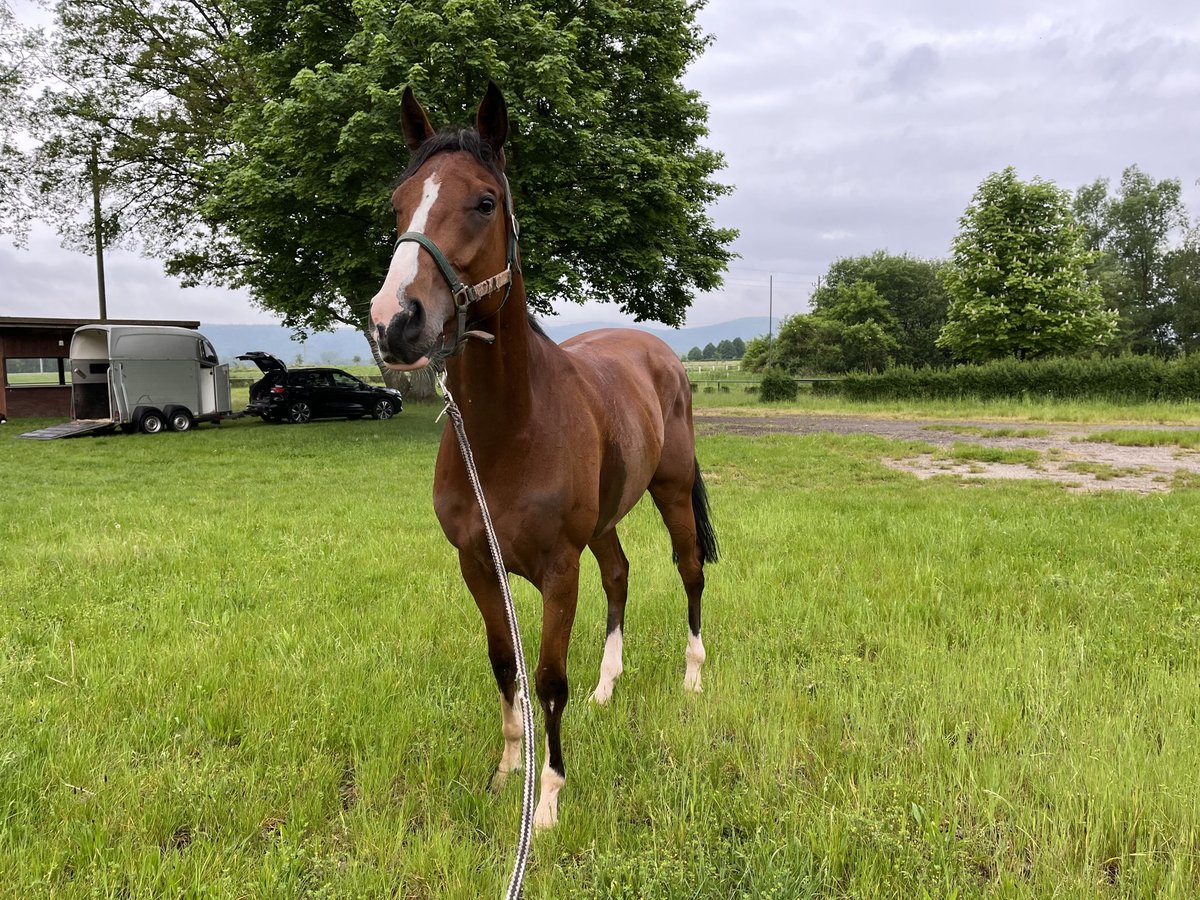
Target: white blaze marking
695	659
611	666
546	815
403	269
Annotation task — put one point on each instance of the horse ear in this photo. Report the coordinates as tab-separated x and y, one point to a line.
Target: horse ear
417	129
492	120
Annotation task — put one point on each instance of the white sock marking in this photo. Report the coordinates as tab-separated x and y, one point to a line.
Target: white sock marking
611	666
695	659
512	729
546	815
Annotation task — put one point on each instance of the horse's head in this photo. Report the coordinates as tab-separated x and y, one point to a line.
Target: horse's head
452	202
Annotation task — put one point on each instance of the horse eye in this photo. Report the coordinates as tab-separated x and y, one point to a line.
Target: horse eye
487	206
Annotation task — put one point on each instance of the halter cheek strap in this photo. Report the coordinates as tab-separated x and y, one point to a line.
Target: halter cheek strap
467	295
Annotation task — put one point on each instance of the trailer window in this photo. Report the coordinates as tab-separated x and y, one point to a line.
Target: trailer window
36	371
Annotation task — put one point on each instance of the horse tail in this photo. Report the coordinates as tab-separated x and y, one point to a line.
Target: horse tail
706	535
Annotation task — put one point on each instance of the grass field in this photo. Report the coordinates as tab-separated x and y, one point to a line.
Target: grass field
240	662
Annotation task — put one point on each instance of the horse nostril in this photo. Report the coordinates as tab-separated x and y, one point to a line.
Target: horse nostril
415	326
402	338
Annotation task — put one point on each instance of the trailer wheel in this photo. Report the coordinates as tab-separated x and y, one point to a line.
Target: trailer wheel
181	420
151	422
299	413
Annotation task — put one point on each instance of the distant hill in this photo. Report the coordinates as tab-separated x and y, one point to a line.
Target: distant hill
341	347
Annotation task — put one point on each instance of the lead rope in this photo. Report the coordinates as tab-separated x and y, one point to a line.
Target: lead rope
510	615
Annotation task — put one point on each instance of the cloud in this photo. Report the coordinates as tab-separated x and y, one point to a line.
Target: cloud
849	128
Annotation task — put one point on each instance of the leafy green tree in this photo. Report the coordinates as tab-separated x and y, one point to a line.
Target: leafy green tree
808	344
725	349
739	348
1017	280
755	357
914	302
19	69
252	144
1183	287
695	354
709	352
1134	230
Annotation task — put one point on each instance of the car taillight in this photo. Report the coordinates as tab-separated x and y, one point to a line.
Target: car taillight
278	389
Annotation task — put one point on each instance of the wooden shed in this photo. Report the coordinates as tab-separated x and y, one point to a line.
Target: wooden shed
35	371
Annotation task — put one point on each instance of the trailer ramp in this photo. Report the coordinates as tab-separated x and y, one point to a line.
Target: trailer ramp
78	428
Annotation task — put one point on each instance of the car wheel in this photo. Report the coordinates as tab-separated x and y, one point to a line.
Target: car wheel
299	413
384	409
181	420
151	422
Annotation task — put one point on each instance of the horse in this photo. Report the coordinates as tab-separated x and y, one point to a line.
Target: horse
567	437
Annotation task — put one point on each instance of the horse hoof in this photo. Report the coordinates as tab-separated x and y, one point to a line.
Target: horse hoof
602	695
499	779
545	819
692	683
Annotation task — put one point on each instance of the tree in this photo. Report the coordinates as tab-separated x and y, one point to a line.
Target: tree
695	354
1133	232
709	352
1017	280
739	348
1183	288
914	302
755	357
725	349
806	344
252	144
19	52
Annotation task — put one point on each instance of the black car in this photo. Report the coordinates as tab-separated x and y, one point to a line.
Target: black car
299	395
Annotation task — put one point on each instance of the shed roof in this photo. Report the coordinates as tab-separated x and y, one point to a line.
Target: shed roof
26	322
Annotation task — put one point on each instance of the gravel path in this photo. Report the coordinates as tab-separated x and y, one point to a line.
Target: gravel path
1064	456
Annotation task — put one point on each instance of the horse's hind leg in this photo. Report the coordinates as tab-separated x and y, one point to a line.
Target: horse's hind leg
481	581
614	576
684	510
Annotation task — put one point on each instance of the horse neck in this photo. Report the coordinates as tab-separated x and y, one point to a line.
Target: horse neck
494	383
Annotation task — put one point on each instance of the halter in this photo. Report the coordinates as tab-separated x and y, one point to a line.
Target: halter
467	295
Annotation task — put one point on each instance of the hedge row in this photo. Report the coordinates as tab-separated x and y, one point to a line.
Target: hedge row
1120	378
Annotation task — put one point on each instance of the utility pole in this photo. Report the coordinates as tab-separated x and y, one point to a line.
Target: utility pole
770	314
97	227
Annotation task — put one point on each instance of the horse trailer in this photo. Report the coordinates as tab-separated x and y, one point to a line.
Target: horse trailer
143	378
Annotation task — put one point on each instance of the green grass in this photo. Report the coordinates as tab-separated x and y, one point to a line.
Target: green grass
1147	438
979	431
1103	471
240	662
961	452
1001	411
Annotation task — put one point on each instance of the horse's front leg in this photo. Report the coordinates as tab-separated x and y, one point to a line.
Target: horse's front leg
560	591
481	581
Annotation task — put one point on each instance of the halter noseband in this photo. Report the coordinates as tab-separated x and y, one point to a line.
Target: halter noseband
467	295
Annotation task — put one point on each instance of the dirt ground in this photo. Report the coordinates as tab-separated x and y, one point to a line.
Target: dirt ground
1063	454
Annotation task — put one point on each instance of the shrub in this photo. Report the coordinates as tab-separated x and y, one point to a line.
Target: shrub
1125	378
777	385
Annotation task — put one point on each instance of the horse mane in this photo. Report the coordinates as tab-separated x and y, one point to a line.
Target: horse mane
538	330
452	140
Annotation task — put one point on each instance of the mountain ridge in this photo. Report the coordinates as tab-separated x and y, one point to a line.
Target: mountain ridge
346	346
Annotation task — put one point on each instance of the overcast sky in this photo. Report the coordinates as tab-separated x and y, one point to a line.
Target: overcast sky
846	128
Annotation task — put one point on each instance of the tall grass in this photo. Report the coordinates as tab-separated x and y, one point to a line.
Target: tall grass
240	663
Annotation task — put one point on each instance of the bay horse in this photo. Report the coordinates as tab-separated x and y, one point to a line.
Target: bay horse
567	438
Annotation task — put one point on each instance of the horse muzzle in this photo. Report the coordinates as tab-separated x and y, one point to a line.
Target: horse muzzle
404	341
